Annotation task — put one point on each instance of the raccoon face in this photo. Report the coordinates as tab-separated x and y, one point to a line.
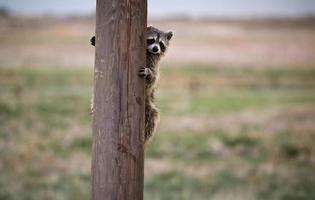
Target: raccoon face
157	40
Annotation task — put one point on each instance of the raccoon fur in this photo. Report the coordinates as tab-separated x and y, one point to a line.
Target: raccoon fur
157	44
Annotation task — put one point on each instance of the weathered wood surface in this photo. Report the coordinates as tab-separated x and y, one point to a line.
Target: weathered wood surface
118	120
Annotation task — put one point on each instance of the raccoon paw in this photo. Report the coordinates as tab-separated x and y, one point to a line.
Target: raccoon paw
144	72
92	40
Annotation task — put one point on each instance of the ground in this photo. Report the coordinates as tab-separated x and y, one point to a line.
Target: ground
237	111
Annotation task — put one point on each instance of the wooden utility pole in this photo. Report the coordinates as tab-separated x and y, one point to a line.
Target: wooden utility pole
118	119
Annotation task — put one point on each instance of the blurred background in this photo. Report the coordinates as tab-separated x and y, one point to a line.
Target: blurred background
237	96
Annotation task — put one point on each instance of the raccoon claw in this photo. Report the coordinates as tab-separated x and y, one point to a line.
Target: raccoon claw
144	71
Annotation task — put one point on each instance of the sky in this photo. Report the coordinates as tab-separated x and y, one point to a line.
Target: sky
163	8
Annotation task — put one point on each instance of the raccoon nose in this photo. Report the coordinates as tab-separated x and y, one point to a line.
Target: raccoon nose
155	49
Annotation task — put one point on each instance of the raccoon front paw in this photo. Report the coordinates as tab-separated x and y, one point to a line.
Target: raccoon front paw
92	40
144	72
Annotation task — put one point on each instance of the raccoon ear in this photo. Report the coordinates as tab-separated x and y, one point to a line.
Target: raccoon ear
169	35
149	27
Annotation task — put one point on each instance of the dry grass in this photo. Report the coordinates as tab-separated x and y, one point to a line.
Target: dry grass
237	125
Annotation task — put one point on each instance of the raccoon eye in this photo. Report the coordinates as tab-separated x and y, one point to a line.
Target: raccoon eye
162	46
150	41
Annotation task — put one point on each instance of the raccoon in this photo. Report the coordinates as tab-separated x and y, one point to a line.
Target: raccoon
157	44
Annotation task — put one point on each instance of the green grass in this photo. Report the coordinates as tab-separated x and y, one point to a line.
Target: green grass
229	100
38	110
181	147
284	72
174	185
45	135
195	90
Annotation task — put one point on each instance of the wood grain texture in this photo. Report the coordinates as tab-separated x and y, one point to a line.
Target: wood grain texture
118	121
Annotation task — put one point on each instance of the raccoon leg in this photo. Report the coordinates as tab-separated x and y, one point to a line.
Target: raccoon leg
151	120
147	73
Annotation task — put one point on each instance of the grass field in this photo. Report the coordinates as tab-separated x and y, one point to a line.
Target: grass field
226	132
